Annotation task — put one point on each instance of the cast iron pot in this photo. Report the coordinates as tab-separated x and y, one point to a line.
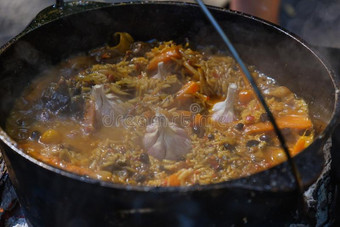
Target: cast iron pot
53	197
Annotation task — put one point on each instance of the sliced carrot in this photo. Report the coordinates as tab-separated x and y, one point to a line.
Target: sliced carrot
302	143
299	146
172	180
259	127
292	121
189	88
245	96
165	56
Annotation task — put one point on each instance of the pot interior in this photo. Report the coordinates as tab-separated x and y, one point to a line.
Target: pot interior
269	49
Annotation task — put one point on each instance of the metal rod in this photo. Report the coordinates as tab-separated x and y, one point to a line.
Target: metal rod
257	91
59	3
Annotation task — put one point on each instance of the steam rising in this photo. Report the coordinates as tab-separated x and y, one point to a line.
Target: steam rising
315	21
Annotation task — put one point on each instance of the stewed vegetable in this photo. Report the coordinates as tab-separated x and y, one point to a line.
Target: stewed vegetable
157	114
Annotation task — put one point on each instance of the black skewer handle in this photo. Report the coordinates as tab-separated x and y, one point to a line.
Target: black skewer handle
235	54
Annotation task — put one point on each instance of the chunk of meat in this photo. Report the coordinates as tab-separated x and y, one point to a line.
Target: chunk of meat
63	97
56	98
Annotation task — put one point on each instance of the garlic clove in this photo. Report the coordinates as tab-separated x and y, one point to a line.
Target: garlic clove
161	72
165	140
223	112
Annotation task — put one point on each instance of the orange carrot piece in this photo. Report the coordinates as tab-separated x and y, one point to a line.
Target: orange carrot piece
165	56
245	96
189	88
259	127
299	146
172	180
302	143
292	121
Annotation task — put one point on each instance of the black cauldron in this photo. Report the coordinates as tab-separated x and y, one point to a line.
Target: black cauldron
53	197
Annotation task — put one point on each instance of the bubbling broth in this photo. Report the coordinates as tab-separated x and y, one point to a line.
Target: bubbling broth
156	114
